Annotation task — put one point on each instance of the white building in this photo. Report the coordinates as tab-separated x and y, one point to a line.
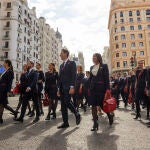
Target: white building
107	58
19	33
25	37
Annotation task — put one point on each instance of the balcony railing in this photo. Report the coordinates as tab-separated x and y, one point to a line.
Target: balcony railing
19	40
18	59
6	37
4	48
7	27
2	58
18	49
19	30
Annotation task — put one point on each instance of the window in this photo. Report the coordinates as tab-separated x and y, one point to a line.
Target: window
116	38
133	44
131	27
121	20
117	54
5	54
124	54
122	28
123	37
125	64
8	24
115	15
118	64
140	36
115	21
7	34
148	34
148	12
130	13
148	18
138	13
141	44
123	45
139	19
148	26
8	5
6	44
115	30
121	14
8	14
139	27
132	36
25	11
131	19
142	53
25	39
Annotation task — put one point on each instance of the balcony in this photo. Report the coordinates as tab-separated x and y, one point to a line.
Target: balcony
20	10
20	20
19	40
2	58
19	30
5	48
18	49
6	37
18	59
7	28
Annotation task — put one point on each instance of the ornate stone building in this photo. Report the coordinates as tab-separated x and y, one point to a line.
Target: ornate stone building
129	28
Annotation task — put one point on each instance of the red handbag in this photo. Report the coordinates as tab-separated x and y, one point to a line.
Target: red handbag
109	104
45	100
130	100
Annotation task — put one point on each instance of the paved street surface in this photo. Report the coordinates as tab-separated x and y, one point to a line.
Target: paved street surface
125	134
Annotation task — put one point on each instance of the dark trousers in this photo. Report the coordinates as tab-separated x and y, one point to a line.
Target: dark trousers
138	97
65	104
26	97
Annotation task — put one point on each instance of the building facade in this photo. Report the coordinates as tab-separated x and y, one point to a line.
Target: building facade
50	45
79	60
129	28
25	37
107	58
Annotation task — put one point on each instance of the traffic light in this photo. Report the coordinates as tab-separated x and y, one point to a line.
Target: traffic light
132	61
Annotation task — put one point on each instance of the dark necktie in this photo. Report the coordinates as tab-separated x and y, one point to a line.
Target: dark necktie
63	65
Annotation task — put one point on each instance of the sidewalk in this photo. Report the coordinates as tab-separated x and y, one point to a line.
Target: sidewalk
125	134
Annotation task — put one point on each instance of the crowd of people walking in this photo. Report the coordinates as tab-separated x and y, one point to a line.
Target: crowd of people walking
74	89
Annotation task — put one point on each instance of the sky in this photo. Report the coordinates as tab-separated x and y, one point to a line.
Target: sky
82	23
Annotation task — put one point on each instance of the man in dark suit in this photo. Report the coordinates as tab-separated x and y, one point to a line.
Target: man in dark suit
30	93
66	84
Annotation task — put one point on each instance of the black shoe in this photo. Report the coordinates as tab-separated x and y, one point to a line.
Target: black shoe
78	119
19	120
1	121
54	116
36	119
148	123
48	117
137	116
95	127
32	114
63	126
111	119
